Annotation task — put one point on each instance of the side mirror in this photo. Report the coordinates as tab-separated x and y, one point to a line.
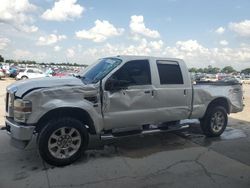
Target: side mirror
116	85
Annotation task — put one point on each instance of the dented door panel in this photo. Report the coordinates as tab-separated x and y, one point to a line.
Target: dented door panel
130	107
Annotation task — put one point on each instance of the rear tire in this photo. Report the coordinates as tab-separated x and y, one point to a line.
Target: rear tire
63	141
214	122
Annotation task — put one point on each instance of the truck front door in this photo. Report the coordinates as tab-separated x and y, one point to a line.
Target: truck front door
132	105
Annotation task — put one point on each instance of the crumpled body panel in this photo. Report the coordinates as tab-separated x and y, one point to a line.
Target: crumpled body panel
24	86
204	94
128	107
44	100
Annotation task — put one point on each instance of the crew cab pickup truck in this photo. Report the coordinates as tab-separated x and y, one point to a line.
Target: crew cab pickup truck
115	96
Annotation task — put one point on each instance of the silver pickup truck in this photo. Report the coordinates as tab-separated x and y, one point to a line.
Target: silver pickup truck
115	96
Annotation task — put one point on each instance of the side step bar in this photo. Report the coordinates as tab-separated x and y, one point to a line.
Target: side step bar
147	131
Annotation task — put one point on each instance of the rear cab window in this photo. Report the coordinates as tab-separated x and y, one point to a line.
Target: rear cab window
169	72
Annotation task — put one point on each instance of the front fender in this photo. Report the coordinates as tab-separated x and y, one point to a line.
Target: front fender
43	102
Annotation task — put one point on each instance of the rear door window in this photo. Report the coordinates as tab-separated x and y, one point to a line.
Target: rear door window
169	72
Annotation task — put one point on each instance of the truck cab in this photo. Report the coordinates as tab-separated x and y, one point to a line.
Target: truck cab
146	90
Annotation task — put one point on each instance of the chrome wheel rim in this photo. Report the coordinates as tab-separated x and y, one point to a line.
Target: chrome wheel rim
64	142
217	121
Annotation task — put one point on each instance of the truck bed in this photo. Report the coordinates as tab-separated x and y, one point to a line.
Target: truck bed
207	91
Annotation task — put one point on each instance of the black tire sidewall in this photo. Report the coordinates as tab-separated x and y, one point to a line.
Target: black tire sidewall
50	128
206	121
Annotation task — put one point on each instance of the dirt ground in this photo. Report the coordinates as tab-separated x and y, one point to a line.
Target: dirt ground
244	115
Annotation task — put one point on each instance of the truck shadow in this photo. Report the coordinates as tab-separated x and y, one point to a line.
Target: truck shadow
139	146
236	129
142	146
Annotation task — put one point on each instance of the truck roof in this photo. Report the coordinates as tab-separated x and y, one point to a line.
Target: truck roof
135	57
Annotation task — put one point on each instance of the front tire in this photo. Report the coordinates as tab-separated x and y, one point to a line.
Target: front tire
62	141
214	122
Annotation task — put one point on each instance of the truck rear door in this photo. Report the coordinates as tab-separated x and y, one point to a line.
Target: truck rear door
173	91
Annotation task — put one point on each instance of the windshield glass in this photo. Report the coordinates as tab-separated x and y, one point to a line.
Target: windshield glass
100	70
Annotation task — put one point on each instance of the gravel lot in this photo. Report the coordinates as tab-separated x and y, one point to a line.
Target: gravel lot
181	159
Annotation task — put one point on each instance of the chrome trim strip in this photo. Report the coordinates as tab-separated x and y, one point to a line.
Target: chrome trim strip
110	136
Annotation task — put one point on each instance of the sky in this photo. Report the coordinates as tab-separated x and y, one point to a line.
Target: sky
214	32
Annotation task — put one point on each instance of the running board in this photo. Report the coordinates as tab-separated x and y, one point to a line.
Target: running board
144	132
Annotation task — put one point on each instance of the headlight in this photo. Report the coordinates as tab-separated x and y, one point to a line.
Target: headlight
22	110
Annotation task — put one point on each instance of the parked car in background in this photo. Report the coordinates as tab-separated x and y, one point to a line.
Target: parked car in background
6	69
30	73
209	77
60	74
13	71
246	79
231	80
2	72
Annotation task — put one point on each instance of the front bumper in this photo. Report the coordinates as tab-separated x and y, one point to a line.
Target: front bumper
19	132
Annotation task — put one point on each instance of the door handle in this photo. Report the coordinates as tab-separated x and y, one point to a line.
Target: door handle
149	91
185	92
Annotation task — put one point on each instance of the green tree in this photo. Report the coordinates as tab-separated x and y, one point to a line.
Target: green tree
205	70
200	70
10	61
228	69
209	69
215	70
1	58
246	71
193	70
212	70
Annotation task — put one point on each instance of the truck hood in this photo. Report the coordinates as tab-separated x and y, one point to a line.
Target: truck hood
23	87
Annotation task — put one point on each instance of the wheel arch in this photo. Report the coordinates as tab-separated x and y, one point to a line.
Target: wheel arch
74	112
24	76
220	101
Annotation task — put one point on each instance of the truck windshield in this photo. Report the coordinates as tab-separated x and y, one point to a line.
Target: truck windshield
100	70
